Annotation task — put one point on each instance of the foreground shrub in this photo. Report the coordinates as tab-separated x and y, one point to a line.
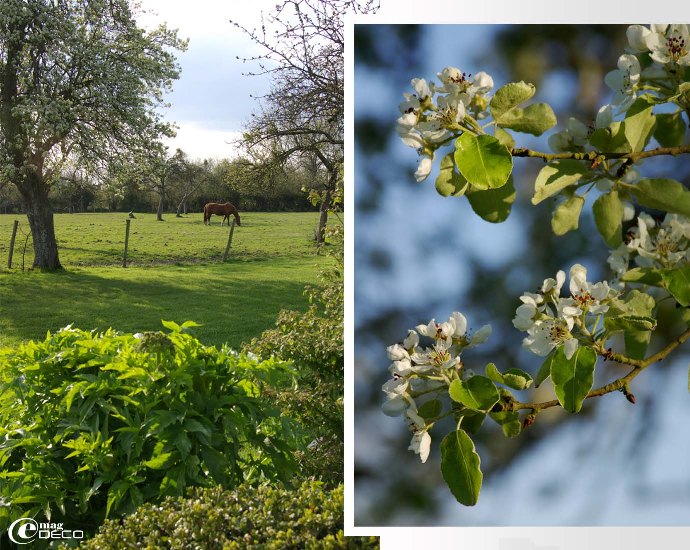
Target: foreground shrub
248	517
313	341
95	424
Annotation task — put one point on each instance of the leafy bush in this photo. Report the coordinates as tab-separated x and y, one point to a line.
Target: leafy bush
95	424
313	341
248	517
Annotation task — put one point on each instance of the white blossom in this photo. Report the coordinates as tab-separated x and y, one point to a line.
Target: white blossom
672	45
637	38
421	440
624	81
423	169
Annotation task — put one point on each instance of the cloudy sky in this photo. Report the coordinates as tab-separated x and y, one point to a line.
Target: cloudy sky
212	100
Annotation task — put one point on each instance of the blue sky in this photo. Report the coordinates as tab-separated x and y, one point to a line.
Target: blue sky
212	99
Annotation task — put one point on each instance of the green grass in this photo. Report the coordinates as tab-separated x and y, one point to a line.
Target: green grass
98	239
175	274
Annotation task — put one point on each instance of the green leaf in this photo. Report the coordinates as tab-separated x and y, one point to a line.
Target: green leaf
493	205
573	378
172	326
670	129
611	139
460	467
159	462
630	322
555	177
535	119
115	494
504	137
513	378
508	97
663	194
566	216
633	314
449	182
216	464
545	369
430	410
644	275
509	421
677	282
608	217
636	342
483	160
472	420
477	393
183	444
639	124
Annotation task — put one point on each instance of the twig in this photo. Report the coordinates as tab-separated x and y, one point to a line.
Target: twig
620	384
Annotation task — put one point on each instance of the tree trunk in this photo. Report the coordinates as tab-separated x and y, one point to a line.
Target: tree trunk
40	215
159	212
323	218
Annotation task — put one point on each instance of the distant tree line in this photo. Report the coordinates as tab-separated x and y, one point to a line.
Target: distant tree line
180	185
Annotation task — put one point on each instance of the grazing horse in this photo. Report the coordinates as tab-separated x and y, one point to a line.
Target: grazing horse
220	209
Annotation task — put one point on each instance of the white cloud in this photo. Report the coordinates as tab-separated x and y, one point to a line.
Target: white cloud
212	100
201	142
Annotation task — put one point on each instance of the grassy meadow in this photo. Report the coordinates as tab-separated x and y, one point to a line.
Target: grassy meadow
174	272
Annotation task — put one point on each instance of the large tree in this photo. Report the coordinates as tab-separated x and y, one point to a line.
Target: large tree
303	114
79	80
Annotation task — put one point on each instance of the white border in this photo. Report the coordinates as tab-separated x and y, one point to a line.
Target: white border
485	11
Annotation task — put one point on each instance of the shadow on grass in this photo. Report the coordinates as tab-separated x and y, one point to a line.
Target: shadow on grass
232	307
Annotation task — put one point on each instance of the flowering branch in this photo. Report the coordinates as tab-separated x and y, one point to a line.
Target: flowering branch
568	331
598	155
617	385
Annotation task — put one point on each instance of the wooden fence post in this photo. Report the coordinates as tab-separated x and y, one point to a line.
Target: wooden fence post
227	248
124	254
14	236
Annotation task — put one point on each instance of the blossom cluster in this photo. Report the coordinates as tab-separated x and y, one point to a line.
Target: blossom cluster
418	370
551	320
433	114
651	244
668	47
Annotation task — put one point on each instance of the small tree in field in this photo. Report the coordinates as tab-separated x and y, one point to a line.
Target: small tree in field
78	80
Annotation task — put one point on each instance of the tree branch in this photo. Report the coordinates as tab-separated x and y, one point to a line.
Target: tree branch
594	155
619	384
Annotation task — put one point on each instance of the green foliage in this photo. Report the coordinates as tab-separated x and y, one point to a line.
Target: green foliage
639	124
555	177
513	378
663	194
608	217
677	282
449	182
670	129
566	216
477	393
95	424
534	119
460	467
313	341
572	378
483	161
268	517
493	205
611	139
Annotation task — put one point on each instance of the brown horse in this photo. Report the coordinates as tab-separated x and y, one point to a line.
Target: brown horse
220	209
